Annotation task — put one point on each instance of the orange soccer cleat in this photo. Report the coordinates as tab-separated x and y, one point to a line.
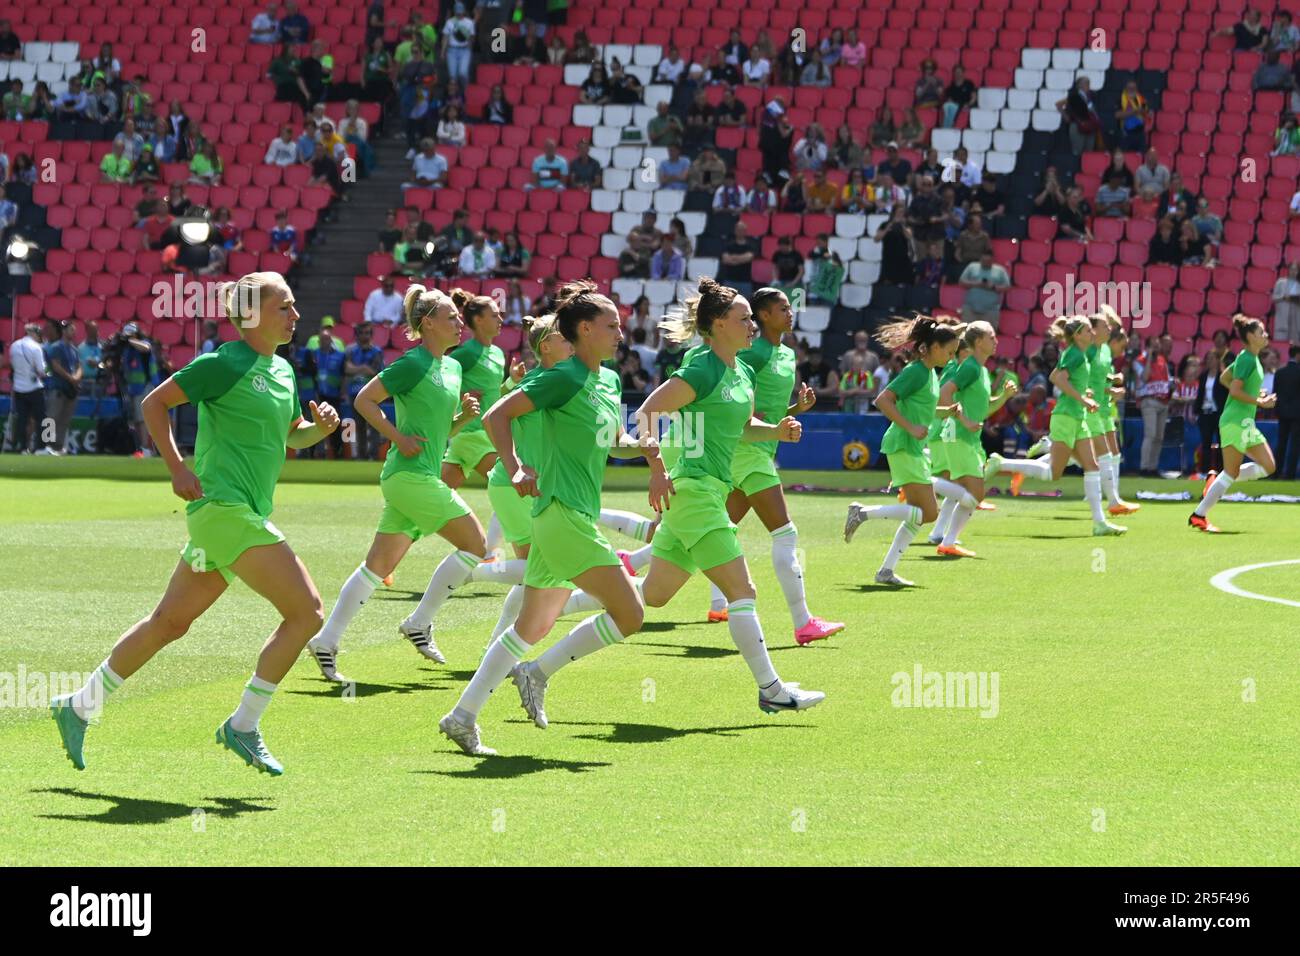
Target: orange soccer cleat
719	617
954	551
1017	480
1201	524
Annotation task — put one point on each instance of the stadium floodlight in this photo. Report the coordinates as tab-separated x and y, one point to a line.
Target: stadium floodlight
19	249
195	231
18	256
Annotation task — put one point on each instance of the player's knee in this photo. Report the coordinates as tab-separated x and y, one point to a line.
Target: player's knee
929	513
169	625
629	619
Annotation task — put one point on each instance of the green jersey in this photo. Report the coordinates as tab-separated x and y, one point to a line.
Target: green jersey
1251	373
775	372
526	430
917	389
426	393
974	392
1100	366
1076	366
937	426
580	419
669	438
716	417
246	403
483	367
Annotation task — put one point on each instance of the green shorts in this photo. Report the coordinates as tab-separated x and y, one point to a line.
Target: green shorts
938	455
467	449
1100	422
1068	429
905	469
696	534
753	469
514	513
416	505
1240	435
565	544
221	531
964	459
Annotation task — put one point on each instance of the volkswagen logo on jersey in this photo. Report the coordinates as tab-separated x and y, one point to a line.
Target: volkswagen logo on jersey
259	383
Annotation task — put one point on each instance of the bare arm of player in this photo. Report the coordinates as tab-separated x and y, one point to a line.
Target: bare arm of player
367	406
887	405
787	429
469	409
154	408
496	422
1061	379
324	420
669	398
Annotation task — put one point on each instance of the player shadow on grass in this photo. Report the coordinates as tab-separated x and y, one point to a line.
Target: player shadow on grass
505	767
375	688
623	733
133	810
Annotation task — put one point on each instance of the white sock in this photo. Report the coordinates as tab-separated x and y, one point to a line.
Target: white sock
502	654
1092	494
589	636
499	572
1110	476
717	601
963	514
1218	488
785	562
747	634
1040	468
902	538
355	593
894	512
451	573
640	557
949	489
580	602
1250	471
509	610
495	536
625	522
88	702
257	694
945	517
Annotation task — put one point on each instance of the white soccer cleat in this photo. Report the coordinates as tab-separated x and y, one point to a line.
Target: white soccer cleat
465	737
325	660
422	639
790	697
887	576
992	466
532	691
857	514
1039	448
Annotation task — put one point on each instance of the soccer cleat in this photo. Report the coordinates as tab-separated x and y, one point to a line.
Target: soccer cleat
902	496
935	539
1039	448
1103	528
1123	508
986	506
72	729
422	638
992	466
388	580
887	576
857	514
816	630
1017	482
1209	480
325	660
719	617
790	697
250	748
627	563
955	551
1201	523
464	737
532	691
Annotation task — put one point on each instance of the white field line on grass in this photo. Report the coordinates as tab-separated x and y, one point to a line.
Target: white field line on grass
1223	581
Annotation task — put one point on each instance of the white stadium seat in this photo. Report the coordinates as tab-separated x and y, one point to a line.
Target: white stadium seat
669	201
1058	79
1028	79
855	296
617	180
606	137
1033	58
945	140
647	54
984	119
869	250
660	291
1096	60
1017	120
621	51
617	115
575	74
584	114
991	98
1022	99
977	140
1065	59
604	200
1008	141
842	247
1046	121
815	318
612	245
850	226
698	266
627	290
37	52
1000	163
637	202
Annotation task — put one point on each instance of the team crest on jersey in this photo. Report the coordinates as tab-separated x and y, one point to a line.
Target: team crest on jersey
259	384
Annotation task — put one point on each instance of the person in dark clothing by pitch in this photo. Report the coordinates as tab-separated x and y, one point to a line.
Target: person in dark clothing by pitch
1286	383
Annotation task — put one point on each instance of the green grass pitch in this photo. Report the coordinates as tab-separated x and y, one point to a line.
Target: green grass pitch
1143	717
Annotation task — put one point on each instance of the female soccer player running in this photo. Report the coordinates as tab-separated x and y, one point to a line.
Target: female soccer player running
425	385
247	398
1239	436
715	393
971	389
910	401
755	483
1109	339
578	403
482	374
1069	428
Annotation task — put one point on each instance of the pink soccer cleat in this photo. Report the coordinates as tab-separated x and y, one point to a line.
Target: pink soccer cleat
816	630
627	562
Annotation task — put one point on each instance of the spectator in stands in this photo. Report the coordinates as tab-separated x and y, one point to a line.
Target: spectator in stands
206	166
762	198
959	95
972	243
294	27
132	142
1207	223
1268	361
11	47
823	196
682	242
664	129
828	278
27	360
362	361
985	283
62	384
816	72
379	73
266	27
550	170
73	103
383	306
458	44
757	69
729	197
722	70
1193	245
736	267
477	259
451	131
667	262
178	204
428	168
925	213
1117	167
700	122
115	167
224	229
325	172
1072	220
1249	33
1176	200
135	101
284	237
101	103
43	103
821	377
354	129
89	354
156	226
1132	118
409	253
884	129
911	132
1272	74
931	166
582	50
730	111
811	151
391	234
177	130
1165	247
1155	386
886	194
1082	122
642	241
595	91
624	87
899	169
856	196
1286	139
1145	205
585	172
1113	198
988	200
24	171
284	71
846	151
734	50
787	264
1283	36
860	352
965	169
1152	173
674	172
929	88
1286	385
16	104
1286	305
897	261
775	136
793	195
671	68
513	259
498	109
